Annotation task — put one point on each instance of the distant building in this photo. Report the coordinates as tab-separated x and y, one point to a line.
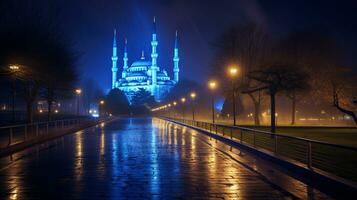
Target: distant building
144	73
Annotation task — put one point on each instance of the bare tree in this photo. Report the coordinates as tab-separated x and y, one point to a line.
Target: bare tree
275	78
30	39
60	75
246	45
344	92
319	54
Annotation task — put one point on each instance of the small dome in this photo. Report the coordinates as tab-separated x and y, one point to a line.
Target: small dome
139	63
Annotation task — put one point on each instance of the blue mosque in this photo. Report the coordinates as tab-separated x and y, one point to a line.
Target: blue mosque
144	73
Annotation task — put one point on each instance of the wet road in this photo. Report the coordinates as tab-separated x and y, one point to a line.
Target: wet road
131	159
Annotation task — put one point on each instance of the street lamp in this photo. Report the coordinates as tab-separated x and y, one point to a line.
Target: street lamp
101	104
183	100
174	110
13	69
78	92
169	106
212	85
193	97
233	72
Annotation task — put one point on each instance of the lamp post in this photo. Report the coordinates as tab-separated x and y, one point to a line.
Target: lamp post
212	86
101	104
193	97
169	106
78	92
183	100
174	103
13	69
233	72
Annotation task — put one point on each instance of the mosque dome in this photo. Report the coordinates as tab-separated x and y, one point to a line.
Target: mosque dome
141	63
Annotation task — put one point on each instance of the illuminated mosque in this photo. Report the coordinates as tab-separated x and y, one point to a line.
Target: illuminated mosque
144	73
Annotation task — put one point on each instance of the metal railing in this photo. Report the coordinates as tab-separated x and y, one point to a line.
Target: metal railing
15	134
335	159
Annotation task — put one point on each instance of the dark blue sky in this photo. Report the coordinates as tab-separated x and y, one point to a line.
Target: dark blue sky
90	24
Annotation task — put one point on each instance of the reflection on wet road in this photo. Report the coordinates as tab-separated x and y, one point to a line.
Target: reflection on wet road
131	158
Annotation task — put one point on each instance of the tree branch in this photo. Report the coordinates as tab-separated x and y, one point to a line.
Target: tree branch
254	90
343	110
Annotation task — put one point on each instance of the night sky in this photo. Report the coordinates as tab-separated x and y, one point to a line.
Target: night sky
90	24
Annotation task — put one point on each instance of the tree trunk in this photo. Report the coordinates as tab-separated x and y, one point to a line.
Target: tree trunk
272	111
256	104
31	90
293	109
257	113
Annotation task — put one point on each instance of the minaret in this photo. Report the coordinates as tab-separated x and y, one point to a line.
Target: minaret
125	59
154	67
114	60
176	60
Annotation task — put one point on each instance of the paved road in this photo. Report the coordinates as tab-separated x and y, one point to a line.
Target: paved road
138	159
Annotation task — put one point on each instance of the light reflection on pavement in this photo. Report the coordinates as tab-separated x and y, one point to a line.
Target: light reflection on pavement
140	158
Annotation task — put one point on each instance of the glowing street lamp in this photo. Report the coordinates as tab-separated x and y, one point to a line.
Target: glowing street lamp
13	69
78	92
233	73
212	85
193	97
183	100
173	109
101	107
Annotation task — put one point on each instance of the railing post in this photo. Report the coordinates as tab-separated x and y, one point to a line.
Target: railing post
276	144
216	129
254	139
47	128
309	153
231	133
10	137
222	131
210	128
241	136
25	132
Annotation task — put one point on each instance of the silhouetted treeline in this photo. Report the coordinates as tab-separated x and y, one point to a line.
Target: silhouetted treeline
303	64
35	52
